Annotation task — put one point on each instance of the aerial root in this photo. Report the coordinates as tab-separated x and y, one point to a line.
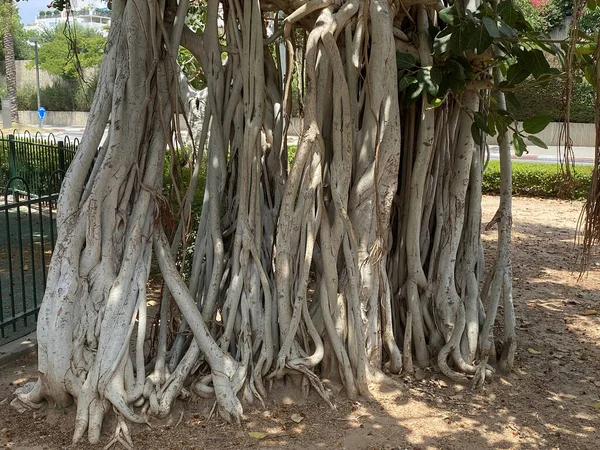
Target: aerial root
122	435
201	387
315	382
29	396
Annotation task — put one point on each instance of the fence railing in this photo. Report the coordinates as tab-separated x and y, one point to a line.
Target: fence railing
27	237
34	159
32	168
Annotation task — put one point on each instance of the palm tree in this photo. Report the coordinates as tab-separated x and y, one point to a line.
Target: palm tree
9	18
11	75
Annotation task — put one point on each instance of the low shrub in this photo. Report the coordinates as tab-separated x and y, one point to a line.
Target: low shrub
59	96
540	180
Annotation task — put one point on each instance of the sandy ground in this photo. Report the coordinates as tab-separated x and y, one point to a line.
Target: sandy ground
550	401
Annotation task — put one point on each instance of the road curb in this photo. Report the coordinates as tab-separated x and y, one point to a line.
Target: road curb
18	348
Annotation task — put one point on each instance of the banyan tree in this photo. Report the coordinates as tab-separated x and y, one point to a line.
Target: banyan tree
353	256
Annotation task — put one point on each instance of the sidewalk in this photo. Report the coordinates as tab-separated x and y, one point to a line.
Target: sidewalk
18	348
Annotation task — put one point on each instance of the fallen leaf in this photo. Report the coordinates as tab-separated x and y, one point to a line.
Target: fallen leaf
257	434
533	351
590	312
152	303
596	405
297	418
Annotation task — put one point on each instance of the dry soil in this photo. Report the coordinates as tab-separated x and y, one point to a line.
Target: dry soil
550	401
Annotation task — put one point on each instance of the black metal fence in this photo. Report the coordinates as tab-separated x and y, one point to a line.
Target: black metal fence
34	158
31	172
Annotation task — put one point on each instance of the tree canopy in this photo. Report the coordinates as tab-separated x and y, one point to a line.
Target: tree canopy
65	48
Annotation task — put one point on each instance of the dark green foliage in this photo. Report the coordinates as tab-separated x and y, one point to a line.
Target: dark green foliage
60	96
535	99
540	180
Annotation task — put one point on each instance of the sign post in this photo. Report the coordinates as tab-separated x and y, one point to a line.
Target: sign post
6	121
41	114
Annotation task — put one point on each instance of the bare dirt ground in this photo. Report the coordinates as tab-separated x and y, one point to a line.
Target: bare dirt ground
551	401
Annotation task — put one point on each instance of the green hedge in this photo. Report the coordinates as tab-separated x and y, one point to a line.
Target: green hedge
536	100
540	180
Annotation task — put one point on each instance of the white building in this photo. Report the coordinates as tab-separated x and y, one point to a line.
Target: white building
88	13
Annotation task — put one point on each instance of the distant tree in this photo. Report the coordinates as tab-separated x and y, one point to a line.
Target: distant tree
23	50
8	22
68	48
547	15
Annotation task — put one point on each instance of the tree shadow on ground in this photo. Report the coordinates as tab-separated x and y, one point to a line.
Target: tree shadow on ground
551	400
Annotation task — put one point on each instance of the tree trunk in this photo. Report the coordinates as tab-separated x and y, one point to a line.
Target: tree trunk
318	273
11	75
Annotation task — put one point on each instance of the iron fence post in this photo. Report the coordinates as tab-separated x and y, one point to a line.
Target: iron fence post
12	156
61	156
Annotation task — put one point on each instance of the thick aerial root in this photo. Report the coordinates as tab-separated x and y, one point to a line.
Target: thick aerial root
507	359
230	407
30	395
315	382
202	389
121	435
442	361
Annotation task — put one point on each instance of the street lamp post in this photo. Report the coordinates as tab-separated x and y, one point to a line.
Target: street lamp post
37	76
34	42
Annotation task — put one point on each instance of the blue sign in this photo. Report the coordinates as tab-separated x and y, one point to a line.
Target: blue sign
41	113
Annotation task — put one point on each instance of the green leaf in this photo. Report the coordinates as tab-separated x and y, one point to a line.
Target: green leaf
469	72
509	14
456	69
586	49
537	123
451	15
442	41
491	125
516	74
459	42
519	144
405	61
480	121
513	99
506	30
590	74
539	65
456	85
435	101
480	40
591	5
405	81
491	27
537	141
502	119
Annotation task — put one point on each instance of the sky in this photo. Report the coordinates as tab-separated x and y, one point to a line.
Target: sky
28	9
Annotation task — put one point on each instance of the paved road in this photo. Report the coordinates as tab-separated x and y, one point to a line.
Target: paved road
583	155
